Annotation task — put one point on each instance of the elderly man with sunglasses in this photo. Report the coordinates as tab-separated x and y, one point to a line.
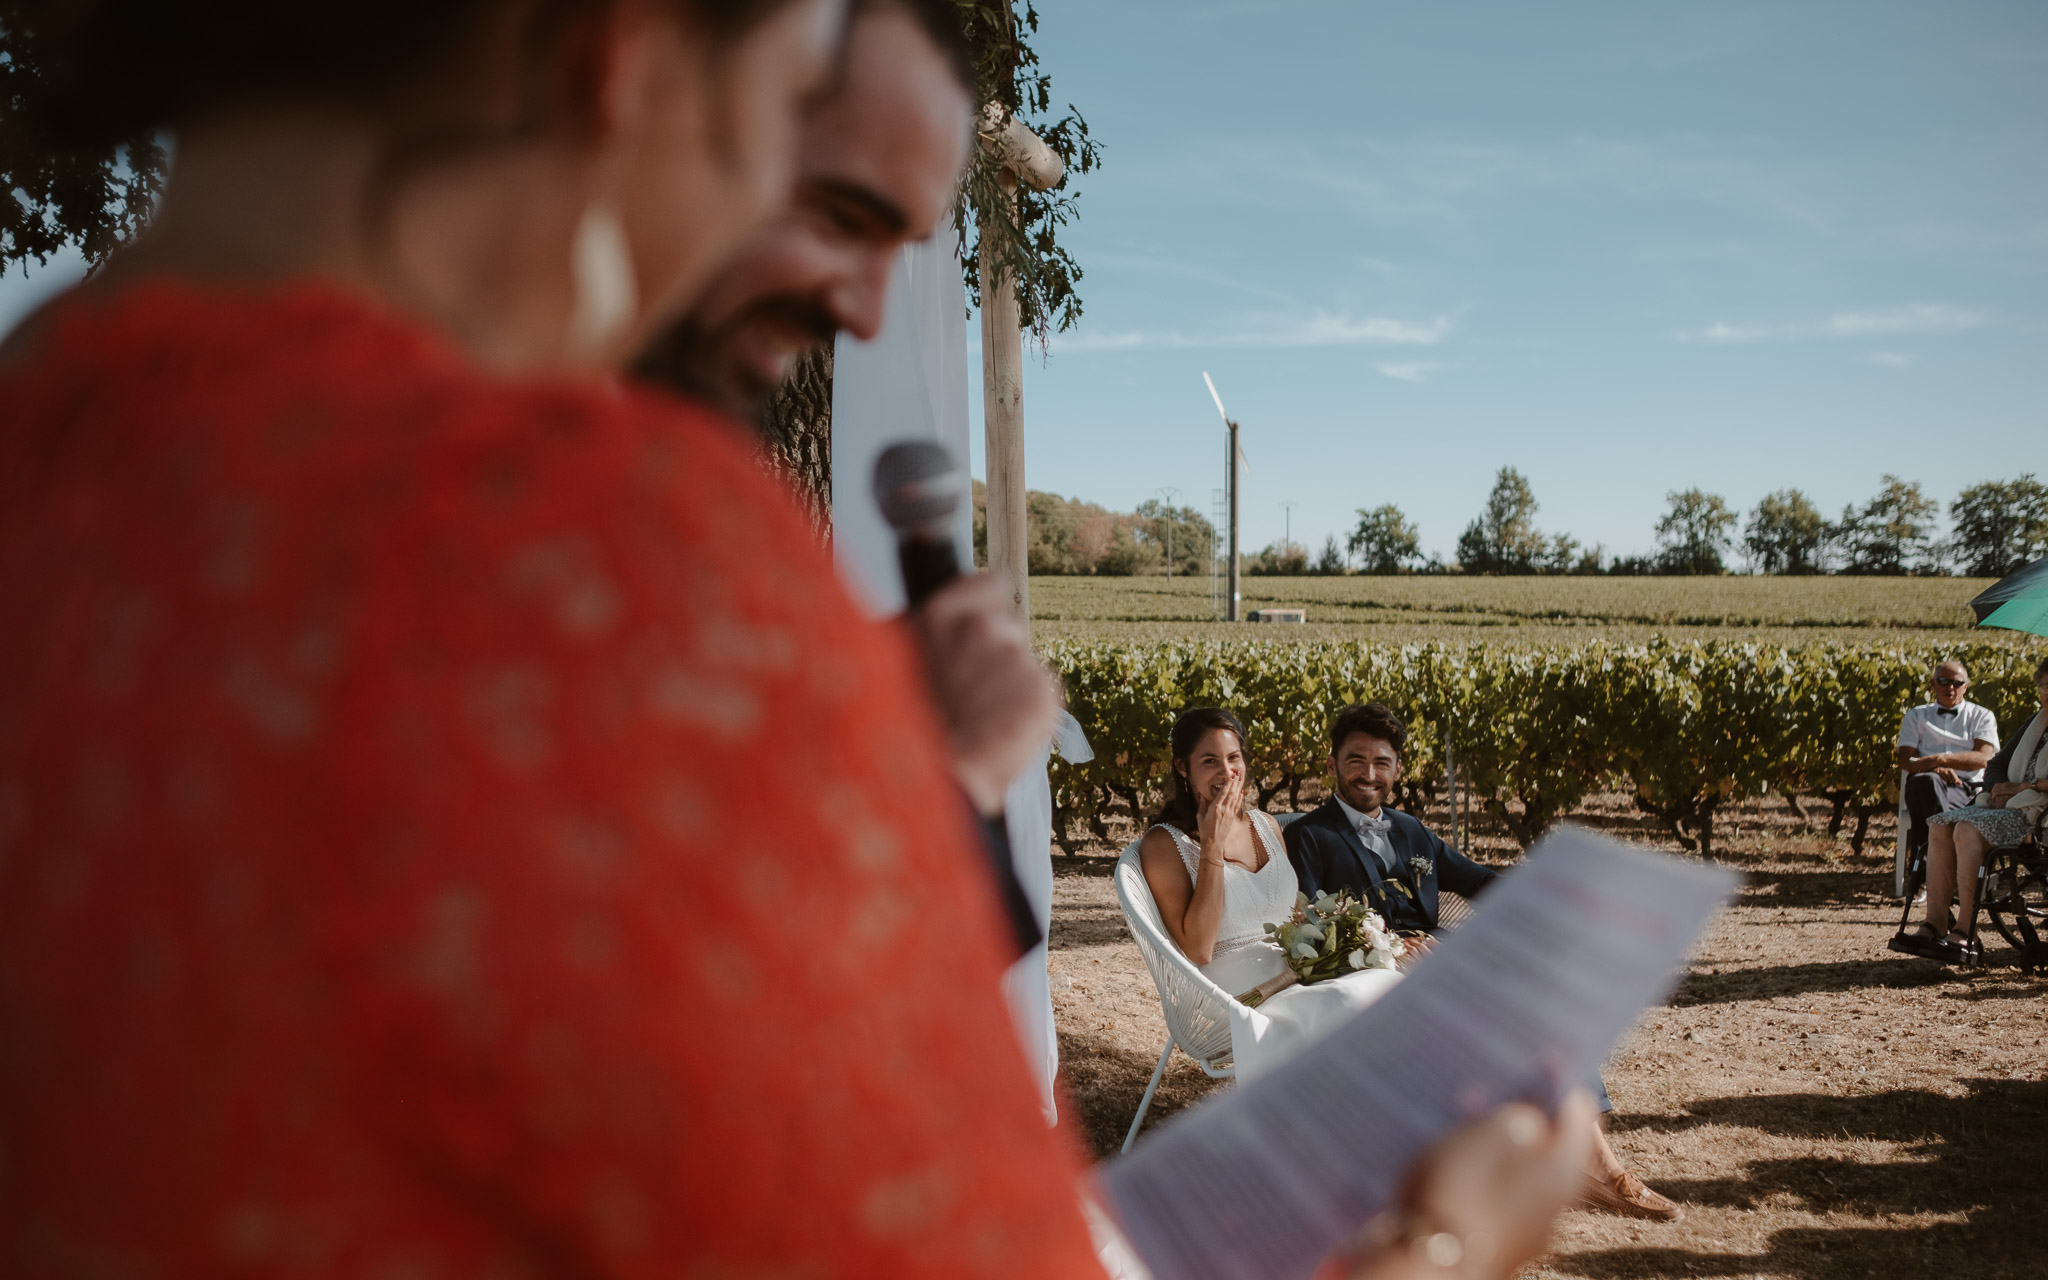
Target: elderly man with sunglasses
1943	747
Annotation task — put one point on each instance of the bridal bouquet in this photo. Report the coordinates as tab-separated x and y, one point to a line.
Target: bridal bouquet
1332	936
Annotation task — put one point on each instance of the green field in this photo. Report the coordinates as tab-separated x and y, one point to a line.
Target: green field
1534	610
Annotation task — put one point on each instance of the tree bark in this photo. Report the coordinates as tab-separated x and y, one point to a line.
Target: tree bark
796	430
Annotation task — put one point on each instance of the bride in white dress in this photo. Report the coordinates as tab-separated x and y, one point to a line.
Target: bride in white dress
1219	875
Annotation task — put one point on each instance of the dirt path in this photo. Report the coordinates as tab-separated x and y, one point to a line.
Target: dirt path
1822	1107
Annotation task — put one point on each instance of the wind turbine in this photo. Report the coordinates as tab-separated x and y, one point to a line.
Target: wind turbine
1233	463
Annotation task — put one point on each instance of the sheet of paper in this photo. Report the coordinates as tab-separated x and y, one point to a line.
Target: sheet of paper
1525	999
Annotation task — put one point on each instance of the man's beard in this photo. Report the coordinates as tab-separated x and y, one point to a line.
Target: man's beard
1352	792
692	357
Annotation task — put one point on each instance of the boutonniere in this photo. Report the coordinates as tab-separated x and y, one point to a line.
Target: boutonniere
1420	867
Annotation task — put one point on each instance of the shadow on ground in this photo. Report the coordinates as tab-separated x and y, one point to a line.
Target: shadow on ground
1977	1155
1103	1084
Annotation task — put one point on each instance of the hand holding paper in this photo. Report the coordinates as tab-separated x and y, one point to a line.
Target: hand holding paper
1527	997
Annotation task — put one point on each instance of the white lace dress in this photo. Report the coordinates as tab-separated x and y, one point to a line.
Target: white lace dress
1243	958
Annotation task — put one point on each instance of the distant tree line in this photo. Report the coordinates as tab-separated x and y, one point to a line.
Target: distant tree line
1994	528
1069	536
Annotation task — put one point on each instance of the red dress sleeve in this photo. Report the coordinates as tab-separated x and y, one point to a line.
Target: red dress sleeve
451	827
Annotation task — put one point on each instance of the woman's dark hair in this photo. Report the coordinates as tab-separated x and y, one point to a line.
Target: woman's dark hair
1193	725
1374	719
118	68
2041	671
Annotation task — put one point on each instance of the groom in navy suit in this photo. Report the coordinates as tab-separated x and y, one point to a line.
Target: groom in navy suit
1397	866
1384	857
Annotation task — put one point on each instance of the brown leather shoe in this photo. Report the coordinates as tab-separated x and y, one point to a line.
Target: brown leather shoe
1627	1195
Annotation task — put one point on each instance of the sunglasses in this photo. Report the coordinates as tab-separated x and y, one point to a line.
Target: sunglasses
1946	683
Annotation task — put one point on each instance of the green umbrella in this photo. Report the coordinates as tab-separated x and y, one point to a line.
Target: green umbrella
2018	601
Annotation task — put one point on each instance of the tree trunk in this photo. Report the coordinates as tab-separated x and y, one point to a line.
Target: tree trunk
796	429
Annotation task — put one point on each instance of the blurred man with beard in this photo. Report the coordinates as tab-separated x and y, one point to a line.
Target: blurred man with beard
882	154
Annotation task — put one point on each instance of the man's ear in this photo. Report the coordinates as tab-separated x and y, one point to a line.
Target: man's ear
1330	763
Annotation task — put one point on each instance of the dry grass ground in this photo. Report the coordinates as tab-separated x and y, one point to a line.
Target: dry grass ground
1825	1109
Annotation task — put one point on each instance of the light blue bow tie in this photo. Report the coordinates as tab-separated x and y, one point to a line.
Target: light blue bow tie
1381	824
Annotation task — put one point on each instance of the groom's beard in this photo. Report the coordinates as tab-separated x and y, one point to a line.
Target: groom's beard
1362	796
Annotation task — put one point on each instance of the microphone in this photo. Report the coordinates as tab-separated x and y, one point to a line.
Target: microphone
917	486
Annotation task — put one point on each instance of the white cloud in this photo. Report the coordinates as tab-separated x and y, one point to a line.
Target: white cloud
1096	341
1919	317
1319	330
1720	332
1889	359
1408	370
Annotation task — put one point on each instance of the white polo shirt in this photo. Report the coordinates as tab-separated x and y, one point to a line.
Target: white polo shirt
1930	730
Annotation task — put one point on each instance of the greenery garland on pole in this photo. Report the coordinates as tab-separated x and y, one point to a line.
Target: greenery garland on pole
1021	230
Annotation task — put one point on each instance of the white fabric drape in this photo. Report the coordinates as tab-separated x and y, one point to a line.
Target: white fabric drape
910	383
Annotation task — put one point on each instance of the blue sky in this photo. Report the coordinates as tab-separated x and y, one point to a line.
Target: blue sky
1623	247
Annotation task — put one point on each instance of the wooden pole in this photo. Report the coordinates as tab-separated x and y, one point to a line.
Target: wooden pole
1230	472
1025	157
1002	415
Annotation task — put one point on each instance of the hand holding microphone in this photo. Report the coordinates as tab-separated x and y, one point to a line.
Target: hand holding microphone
998	703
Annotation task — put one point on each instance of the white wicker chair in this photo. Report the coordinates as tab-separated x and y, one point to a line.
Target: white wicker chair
1198	1012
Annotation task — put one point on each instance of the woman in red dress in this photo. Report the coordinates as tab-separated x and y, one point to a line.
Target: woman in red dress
385	691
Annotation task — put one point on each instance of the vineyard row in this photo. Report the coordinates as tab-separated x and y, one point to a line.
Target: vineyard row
1685	728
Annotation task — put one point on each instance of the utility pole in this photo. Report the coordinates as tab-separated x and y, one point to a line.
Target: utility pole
1171	495
1287	539
1233	467
1230	472
1027	159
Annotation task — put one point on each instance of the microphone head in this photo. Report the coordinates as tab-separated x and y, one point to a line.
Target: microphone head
917	486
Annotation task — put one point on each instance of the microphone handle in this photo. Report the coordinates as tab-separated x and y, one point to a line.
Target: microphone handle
928	564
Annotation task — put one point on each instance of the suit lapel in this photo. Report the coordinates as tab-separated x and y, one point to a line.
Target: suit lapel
1366	861
1424	886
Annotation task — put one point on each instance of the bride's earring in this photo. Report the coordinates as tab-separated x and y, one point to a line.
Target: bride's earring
601	265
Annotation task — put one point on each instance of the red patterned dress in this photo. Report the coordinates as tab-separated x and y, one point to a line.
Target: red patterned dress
452	826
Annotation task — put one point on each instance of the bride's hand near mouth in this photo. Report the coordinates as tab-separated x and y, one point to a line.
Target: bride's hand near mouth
1218	811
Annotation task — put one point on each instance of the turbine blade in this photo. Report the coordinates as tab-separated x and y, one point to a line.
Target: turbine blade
1218	399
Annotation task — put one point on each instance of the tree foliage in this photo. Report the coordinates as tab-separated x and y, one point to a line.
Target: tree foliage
1021	231
1999	526
1694	532
56	194
1785	534
1070	536
1183	534
1503	538
1385	541
1889	534
1329	561
1281	559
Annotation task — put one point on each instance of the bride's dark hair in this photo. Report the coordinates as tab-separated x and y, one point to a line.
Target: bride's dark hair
1193	725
